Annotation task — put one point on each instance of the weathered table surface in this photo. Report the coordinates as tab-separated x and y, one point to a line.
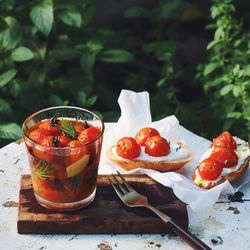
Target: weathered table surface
228	225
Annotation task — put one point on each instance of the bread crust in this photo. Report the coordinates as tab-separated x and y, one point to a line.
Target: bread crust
235	175
162	166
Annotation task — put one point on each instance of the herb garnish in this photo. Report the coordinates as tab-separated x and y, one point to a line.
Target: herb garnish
55	120
67	128
86	125
55	141
43	170
177	149
76	181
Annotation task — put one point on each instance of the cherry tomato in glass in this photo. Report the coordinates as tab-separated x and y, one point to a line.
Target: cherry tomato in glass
88	134
78	151
145	133
63	141
128	148
209	169
227	157
37	134
157	146
78	126
225	140
53	130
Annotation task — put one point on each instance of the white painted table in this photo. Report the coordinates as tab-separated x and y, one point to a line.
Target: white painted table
228	226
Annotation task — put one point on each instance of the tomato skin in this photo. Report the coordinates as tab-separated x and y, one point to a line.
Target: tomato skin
143	134
63	141
77	152
225	140
128	148
157	146
227	157
37	134
78	126
88	134
209	169
47	126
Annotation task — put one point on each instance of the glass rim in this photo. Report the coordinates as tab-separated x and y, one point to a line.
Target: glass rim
61	107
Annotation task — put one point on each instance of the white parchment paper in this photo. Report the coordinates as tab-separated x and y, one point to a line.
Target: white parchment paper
135	114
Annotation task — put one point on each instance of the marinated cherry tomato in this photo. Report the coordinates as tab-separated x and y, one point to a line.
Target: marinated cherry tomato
78	126
225	140
157	146
37	134
63	141
77	152
209	169
128	148
88	134
145	133
227	157
53	130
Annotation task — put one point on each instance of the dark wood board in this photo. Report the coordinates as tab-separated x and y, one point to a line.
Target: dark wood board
105	215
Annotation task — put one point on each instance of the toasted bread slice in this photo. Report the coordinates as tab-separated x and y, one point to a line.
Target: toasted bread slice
230	177
161	166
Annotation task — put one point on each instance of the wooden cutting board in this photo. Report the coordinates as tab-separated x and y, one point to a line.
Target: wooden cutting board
105	215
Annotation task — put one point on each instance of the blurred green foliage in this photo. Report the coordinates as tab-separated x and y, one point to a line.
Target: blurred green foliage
58	53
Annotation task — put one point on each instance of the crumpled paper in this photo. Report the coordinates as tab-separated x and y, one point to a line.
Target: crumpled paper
135	114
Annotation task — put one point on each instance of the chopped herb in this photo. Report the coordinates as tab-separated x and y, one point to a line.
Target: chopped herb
55	120
43	170
177	149
55	141
75	182
86	125
67	128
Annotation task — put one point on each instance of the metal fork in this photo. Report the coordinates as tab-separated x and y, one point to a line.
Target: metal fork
133	199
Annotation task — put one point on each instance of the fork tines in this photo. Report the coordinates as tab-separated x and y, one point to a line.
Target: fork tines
120	184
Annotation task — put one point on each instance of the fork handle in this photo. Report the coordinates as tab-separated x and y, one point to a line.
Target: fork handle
187	236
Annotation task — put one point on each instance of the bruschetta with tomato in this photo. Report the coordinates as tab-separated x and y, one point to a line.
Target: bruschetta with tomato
227	159
148	149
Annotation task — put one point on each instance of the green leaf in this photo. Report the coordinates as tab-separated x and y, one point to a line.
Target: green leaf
236	91
247	70
209	68
136	12
55	100
10	131
91	101
88	14
226	89
81	97
64	54
161	82
7	77
235	115
21	54
115	56
67	128
87	62
5	107
42	16
213	43
70	17
236	69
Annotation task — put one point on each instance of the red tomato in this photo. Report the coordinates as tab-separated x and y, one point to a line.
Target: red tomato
128	148
47	126
88	134
78	126
37	134
209	169
157	146
145	133
78	151
45	154
225	140
63	141
227	157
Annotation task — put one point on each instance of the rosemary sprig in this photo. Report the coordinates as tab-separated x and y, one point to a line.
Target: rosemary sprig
76	181
43	170
67	128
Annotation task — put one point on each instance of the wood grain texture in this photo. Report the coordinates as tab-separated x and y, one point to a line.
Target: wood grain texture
105	215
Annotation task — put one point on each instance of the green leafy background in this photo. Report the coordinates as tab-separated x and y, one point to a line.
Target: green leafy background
193	57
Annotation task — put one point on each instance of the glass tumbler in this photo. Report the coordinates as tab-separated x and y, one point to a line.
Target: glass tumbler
63	177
